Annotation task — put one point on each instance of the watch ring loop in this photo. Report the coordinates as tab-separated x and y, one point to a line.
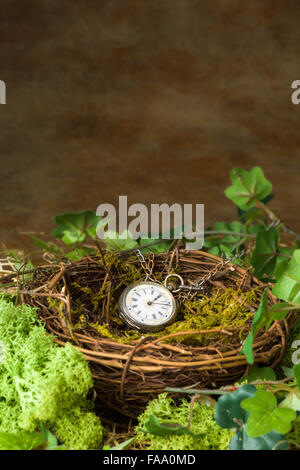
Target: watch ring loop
173	275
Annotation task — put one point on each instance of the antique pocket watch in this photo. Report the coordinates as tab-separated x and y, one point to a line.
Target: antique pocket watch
147	306
150	306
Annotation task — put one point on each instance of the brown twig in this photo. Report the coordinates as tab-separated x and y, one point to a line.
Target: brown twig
193	401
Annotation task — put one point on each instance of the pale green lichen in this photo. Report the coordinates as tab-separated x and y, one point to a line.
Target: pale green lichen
166	411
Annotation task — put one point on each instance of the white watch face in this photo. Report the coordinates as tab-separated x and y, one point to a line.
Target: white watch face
149	304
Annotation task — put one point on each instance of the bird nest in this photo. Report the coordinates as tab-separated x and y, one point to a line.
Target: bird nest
78	303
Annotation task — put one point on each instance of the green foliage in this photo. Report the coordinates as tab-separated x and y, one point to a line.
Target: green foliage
258	374
119	242
153	426
279	310
287	275
264	255
248	187
296	371
166	411
23	440
122	446
78	253
45	246
123	242
263	317
271	441
73	227
156	247
40	381
230	414
260	319
292	354
265	415
292	401
50	440
225	245
254	215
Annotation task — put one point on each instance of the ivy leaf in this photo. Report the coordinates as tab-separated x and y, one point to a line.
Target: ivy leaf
265	416
241	441
22	266
22	441
292	400
253	214
224	245
296	373
78	253
287	276
248	187
230	241
288	372
73	227
228	412
50	441
258	373
153	426
259	320
122	446
114	241
280	310
157	248
264	255
47	246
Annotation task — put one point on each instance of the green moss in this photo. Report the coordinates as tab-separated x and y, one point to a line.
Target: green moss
165	410
56	305
126	338
225	308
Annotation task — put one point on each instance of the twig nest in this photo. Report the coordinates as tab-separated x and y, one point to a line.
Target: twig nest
78	303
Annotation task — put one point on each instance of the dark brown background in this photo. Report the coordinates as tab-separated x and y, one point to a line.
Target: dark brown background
154	99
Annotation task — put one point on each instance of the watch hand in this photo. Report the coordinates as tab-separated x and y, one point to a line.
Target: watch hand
160	303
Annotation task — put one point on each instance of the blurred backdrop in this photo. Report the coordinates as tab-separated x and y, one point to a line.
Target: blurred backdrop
156	100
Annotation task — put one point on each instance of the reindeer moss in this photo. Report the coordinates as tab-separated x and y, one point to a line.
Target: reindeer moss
166	411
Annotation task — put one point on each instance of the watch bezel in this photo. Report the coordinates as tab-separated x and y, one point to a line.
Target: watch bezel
135	324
